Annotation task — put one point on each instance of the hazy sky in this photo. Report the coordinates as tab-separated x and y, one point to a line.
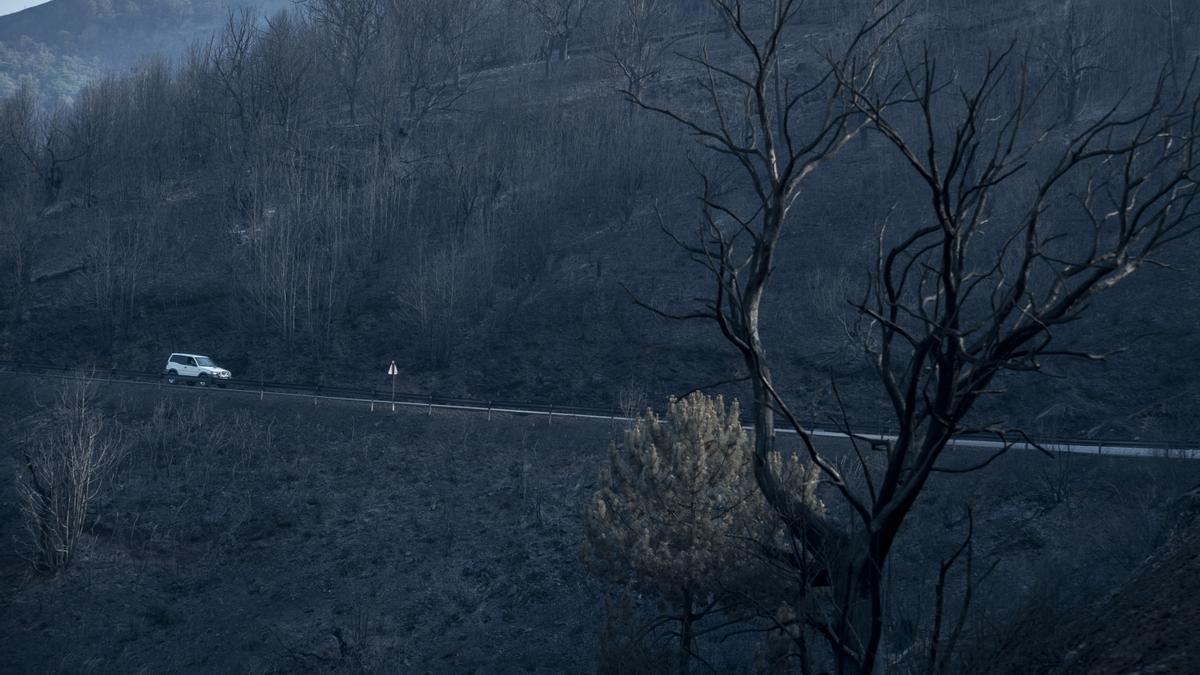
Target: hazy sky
10	6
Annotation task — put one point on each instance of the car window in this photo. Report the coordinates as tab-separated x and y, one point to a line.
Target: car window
191	361
205	361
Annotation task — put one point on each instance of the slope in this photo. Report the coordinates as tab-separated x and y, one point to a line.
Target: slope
64	43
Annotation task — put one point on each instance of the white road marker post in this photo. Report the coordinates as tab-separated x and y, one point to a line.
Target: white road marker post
393	372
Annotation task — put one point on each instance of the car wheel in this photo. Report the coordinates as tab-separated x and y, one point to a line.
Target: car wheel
203	379
172	377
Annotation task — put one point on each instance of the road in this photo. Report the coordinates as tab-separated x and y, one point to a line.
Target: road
380	400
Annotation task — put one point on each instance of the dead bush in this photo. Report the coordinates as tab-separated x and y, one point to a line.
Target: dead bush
66	464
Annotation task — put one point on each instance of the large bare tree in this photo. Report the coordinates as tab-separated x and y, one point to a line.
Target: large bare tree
964	294
777	130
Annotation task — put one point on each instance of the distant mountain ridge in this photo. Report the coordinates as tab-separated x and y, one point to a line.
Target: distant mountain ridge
63	43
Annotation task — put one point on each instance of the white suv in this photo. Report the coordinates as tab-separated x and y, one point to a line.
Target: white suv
195	368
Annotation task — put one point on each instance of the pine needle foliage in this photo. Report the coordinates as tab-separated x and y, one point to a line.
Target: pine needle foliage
671	498
678	511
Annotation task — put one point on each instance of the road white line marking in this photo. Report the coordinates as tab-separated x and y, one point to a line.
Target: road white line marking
1072	447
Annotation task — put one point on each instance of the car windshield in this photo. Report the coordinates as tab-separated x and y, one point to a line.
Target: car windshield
204	361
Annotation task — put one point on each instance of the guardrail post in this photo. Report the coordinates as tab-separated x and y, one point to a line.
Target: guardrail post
550	415
431	405
489	411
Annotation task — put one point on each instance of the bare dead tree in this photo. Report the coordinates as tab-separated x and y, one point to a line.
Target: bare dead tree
978	292
454	24
432	299
421	65
30	177
949	305
778	131
235	69
196	104
558	20
1071	51
151	124
19	237
638	40
1176	17
351	29
113	265
296	250
286	69
36	137
91	132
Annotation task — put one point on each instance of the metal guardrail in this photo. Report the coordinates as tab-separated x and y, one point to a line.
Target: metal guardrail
378	395
382	397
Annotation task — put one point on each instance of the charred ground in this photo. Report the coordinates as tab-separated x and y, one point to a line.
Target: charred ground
239	534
